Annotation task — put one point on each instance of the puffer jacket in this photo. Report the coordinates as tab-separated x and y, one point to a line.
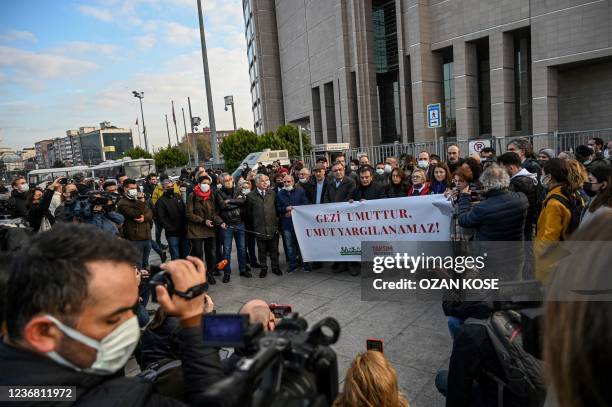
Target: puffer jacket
198	212
500	217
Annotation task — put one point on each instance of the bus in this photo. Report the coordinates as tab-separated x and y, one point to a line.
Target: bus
264	158
38	177
136	169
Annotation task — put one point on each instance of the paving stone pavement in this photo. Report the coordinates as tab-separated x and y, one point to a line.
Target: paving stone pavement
415	333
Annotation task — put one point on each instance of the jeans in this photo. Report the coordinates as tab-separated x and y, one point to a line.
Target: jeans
178	247
237	233
144	248
144	291
293	250
218	242
208	254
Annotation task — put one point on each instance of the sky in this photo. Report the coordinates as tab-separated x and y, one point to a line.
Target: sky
66	64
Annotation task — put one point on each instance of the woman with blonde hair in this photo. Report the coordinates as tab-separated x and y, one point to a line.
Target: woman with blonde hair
371	381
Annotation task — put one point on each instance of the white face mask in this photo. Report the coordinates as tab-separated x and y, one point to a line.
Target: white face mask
423	163
388	168
23	188
303	180
113	351
132	193
246	191
380	171
204	187
267	184
354	167
545	180
288	187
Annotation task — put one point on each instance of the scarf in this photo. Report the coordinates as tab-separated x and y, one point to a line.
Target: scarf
203	195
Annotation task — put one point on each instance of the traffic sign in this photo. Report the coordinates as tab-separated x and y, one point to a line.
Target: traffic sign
476	146
433	116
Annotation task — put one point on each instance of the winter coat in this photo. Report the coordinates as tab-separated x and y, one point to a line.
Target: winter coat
554	219
132	209
424	191
295	197
261	212
18	204
500	217
372	191
170	212
341	193
230	205
198	212
37	212
527	182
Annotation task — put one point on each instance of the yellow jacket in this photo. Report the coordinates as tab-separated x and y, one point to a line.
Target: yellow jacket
553	225
158	192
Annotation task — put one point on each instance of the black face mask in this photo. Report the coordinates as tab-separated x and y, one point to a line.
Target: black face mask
588	189
169	192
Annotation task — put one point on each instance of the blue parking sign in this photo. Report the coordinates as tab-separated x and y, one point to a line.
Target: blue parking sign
433	116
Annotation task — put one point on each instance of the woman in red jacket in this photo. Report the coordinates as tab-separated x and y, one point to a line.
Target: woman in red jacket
419	185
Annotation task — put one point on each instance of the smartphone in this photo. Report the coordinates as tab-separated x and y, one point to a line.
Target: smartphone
224	330
280	310
374	344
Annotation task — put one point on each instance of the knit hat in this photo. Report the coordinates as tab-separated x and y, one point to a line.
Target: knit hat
548	151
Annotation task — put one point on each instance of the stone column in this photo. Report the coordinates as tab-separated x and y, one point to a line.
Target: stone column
544	91
466	90
501	54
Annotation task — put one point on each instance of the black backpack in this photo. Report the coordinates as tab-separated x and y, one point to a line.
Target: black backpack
524	372
575	204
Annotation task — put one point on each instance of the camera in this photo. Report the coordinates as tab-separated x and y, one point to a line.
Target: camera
290	366
66	181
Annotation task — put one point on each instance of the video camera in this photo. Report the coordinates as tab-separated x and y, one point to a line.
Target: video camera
290	366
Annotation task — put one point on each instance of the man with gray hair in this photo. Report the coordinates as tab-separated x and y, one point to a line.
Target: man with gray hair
501	216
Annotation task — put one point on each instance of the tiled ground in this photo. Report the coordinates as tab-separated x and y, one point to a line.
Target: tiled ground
415	334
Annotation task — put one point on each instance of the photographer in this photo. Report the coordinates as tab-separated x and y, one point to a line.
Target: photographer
39	216
76	325
100	211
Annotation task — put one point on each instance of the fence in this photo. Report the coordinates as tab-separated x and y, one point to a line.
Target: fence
557	141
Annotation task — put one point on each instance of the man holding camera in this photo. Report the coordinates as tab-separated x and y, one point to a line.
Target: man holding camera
138	216
76	326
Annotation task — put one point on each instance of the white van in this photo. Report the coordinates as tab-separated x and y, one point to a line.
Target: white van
264	158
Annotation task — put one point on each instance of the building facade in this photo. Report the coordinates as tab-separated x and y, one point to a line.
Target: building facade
364	71
42	153
103	144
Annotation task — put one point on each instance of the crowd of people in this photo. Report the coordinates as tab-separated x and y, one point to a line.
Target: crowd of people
76	298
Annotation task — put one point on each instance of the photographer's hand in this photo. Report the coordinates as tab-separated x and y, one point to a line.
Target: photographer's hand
185	274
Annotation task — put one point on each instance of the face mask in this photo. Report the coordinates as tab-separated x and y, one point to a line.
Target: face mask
288	187
303	180
388	169
113	351
204	187
423	163
588	189
380	171
354	167
169	191
132	193
267	184
545	180
246	191
219	186
24	188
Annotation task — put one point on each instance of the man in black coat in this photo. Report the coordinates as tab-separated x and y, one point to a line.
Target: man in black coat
521	180
261	210
170	211
77	327
18	202
341	188
305	183
501	216
367	188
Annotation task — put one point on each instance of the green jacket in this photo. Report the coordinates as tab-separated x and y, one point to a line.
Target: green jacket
133	209
262	212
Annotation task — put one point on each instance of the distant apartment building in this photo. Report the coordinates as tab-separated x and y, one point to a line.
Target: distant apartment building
42	153
364	71
28	153
103	144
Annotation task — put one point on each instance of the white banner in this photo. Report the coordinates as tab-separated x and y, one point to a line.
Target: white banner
334	232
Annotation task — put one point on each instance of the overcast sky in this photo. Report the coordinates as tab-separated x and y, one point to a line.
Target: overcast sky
66	64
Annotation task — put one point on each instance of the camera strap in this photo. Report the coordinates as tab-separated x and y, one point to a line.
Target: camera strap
192	292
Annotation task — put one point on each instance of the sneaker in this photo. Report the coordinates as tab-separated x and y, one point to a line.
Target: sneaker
263	273
163	256
246	274
226	278
211	279
278	272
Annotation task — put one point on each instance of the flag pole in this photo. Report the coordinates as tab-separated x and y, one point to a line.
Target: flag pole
174	120
168	130
139	140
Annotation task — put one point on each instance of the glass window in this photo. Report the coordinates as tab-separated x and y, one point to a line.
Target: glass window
449	93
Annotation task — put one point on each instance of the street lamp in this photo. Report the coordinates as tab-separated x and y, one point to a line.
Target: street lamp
229	101
140	95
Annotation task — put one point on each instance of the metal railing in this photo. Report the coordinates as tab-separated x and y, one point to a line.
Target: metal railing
557	141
